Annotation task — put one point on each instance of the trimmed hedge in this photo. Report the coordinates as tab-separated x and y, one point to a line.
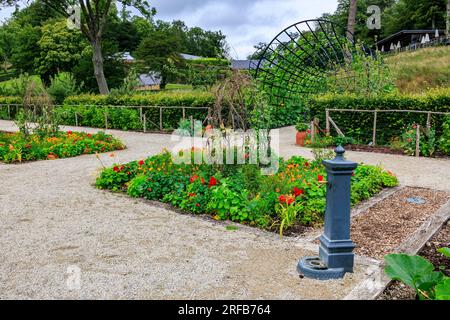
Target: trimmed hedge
91	109
389	125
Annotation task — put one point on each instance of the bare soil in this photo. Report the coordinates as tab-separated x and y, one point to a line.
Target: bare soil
383	227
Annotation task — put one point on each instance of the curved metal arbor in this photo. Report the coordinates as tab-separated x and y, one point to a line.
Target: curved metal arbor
302	58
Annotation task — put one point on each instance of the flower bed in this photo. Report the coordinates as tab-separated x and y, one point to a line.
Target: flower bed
294	196
17	147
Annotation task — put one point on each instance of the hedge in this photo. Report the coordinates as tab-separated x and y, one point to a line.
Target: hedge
389	125
91	109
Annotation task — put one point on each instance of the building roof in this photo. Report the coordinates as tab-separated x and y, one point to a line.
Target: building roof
402	34
150	79
186	56
243	64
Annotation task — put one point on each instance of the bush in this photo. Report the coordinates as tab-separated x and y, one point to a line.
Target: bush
17	147
62	86
389	125
239	192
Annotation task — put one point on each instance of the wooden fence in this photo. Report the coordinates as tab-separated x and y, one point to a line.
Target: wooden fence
141	109
330	122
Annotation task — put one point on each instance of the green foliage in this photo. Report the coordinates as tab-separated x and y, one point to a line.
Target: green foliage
62	86
59	49
390	125
363	75
419	274
343	141
300	127
239	192
444	141
17	147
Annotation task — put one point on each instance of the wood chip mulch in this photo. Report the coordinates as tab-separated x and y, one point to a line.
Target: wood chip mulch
383	227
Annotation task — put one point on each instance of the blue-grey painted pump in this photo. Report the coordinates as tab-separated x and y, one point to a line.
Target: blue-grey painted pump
336	249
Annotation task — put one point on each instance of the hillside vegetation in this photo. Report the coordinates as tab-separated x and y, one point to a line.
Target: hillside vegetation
420	70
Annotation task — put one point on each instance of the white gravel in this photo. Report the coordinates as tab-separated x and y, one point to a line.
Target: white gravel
52	219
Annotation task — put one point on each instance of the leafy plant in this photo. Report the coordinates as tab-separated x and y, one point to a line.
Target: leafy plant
418	273
301	127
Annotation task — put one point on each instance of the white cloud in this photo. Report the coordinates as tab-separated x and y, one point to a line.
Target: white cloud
244	22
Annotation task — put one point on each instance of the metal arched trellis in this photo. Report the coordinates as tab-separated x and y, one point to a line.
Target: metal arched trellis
302	59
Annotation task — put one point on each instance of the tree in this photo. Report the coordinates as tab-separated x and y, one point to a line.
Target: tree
158	52
448	18
60	49
352	18
94	18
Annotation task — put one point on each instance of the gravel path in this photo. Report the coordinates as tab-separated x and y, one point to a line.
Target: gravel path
411	171
53	221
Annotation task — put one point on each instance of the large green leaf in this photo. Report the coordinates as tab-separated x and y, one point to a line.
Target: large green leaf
443	290
445	252
408	269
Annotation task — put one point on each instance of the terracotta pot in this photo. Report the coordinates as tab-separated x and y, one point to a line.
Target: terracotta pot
300	138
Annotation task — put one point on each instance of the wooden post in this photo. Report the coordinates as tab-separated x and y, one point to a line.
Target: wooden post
374	134
160	119
184	113
313	131
336	128
428	122
140	113
145	122
327	121
418	141
9	112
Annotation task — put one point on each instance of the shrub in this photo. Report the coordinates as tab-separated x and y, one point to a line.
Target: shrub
62	86
444	141
17	147
239	192
390	125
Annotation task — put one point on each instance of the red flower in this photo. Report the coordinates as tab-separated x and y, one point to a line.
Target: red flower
69	132
319	178
141	162
212	182
122	167
198	204
116	169
290	200
192	194
89	135
308	132
353	174
193	178
306	164
203	181
282	199
297	192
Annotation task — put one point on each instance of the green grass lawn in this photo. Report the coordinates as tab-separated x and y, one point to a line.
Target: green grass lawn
420	70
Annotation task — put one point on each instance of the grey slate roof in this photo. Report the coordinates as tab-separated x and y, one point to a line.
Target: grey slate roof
150	79
243	64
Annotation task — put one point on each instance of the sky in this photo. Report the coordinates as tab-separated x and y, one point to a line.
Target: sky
244	22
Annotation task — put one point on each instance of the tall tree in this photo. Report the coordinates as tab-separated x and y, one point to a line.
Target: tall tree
448	18
94	17
352	18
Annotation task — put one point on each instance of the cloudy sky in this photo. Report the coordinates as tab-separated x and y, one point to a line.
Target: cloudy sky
244	22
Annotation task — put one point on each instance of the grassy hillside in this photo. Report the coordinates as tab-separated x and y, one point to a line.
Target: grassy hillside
422	69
